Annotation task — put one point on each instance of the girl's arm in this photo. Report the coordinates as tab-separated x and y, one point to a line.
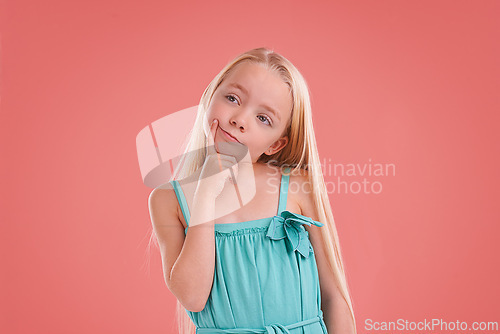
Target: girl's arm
336	312
188	260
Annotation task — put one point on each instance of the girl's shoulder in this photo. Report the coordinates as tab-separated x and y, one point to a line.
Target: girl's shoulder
299	193
300	189
163	204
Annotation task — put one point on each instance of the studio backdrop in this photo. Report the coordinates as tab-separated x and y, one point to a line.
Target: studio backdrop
405	108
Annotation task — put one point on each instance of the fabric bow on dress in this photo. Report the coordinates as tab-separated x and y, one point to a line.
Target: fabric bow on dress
290	225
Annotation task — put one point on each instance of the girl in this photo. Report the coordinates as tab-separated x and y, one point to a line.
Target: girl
242	253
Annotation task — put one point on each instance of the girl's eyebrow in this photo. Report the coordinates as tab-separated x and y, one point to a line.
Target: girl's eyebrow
277	115
240	87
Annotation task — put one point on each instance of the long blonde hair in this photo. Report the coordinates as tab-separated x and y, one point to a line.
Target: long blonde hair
300	153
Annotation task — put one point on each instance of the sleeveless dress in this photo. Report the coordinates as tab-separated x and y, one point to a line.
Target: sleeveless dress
265	275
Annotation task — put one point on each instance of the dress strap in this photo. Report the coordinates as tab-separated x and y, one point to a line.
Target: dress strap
182	200
285	176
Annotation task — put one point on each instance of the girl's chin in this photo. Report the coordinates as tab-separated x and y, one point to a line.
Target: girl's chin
235	149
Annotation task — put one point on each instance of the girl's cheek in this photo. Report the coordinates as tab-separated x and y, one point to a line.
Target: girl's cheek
216	112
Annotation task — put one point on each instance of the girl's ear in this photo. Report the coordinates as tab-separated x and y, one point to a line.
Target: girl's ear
277	146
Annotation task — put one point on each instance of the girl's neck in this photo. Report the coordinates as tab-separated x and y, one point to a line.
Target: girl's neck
260	169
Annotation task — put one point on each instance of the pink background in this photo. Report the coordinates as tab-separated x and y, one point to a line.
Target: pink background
409	83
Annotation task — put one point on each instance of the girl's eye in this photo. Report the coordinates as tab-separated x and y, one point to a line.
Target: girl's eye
265	118
231	98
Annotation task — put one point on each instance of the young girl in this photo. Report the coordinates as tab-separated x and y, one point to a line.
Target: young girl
240	251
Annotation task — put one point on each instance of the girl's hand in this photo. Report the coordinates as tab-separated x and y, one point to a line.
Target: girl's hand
216	168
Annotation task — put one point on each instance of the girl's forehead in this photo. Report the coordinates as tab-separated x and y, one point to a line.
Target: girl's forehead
253	72
257	82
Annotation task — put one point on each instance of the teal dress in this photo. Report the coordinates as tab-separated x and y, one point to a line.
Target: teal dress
265	277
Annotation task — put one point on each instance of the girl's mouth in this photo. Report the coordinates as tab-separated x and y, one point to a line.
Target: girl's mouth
228	136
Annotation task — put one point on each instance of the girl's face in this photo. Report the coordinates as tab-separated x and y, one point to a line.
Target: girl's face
253	105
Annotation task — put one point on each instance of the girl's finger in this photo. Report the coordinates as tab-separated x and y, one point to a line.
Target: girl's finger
235	173
227	157
211	142
211	137
232	166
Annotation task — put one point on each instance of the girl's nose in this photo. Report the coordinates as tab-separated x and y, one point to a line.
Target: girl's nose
239	119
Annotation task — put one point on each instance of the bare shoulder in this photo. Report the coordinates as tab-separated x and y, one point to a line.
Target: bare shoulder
164	207
304	197
300	189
